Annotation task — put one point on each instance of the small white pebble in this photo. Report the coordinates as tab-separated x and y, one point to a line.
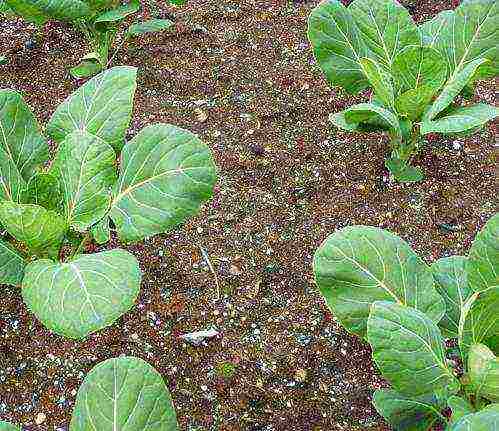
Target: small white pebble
456	145
40	418
204	388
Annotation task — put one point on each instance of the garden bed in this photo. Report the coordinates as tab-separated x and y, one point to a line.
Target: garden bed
242	76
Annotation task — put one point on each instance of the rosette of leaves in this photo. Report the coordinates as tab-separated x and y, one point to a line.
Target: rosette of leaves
125	394
98	20
50	210
380	290
415	73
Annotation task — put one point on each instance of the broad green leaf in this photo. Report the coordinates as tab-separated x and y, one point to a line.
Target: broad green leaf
403	172
470	33
456	83
430	30
452	284
11	265
118	14
43	189
413	103
417	66
479	320
149	26
483	262
459	407
406	414
85	165
41	230
125	394
101	231
6	426
364	112
380	80
484	420
41	11
86	68
337	45
338	120
22	148
166	173
76	298
483	368
102	107
359	265
408	349
385	26
461	120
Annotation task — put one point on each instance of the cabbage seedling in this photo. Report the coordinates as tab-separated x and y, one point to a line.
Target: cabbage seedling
415	73
98	20
380	290
50	210
125	394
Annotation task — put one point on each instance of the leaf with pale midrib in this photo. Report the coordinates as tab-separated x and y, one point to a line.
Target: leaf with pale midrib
83	295
11	265
102	107
408	349
452	284
86	167
483	262
41	11
166	173
358	265
40	229
125	394
485	420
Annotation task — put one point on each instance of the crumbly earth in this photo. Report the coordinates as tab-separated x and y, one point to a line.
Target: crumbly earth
242	76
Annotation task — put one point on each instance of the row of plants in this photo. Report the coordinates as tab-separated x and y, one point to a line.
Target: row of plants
98	20
372	281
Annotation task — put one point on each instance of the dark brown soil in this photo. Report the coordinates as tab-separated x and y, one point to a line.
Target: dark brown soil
241	75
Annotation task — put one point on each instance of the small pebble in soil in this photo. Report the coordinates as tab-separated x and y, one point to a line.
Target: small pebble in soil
40	418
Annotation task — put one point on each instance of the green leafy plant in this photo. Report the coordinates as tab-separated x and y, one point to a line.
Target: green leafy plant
51	210
415	73
125	394
98	20
380	290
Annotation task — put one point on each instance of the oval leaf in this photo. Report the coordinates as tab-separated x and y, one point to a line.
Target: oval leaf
380	80
166	173
430	30
84	295
85	165
338	46
479	321
101	232
459	407
44	189
470	33
125	394
461	119
41	230
364	112
118	14
483	262
149	26
11	265
456	83
102	107
483	367
40	11
417	66
385	26
485	420
452	284
406	414
358	265
408	349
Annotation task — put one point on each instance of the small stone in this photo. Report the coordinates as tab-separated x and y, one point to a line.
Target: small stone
257	149
40	418
300	375
204	388
457	145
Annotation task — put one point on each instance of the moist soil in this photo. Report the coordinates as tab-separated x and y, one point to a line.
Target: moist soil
241	75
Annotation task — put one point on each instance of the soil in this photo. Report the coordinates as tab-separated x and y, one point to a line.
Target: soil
241	75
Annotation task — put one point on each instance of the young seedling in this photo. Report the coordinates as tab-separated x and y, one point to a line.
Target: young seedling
380	290
415	73
99	21
125	394
51	210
